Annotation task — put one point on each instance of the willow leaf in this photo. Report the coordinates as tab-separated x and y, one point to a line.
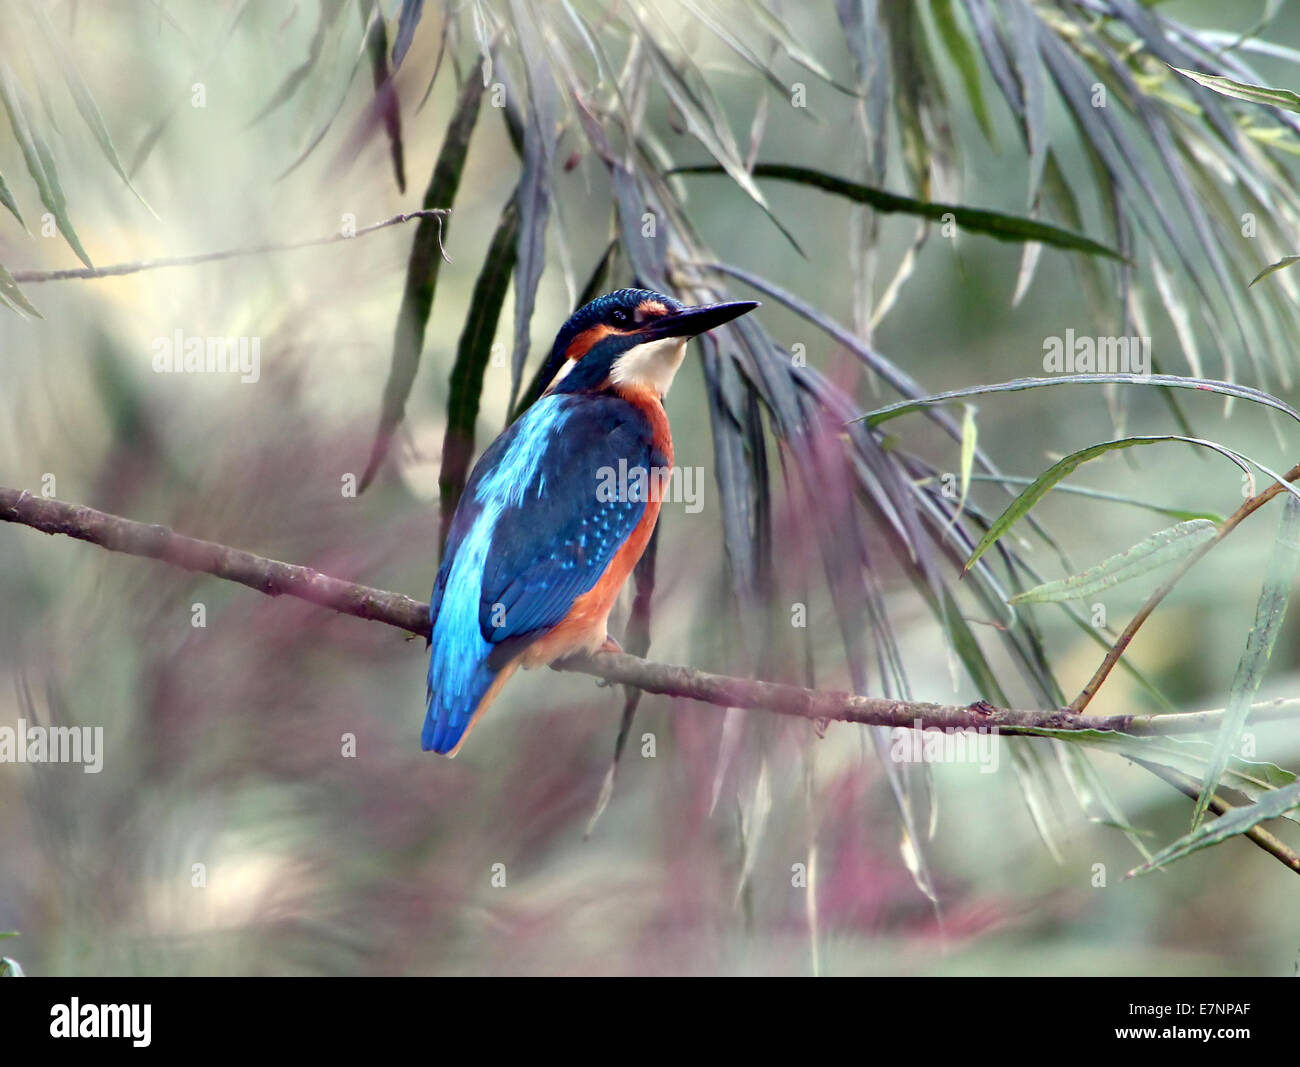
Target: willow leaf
83	98
386	103
963	58
1285	261
969	438
1039	487
422	273
472	357
13	296
996	224
40	164
1238	821
1254	779
533	195
7	199
1149	554
712	132
293	81
1256	94
1270	611
546	369
1181	514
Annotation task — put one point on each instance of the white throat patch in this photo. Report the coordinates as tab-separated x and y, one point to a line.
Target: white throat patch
651	365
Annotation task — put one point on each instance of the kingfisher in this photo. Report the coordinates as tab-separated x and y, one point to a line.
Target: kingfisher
545	534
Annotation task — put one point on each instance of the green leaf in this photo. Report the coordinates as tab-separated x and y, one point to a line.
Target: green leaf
83	98
1256	94
969	442
1029	66
779	29
1181	514
1238	821
7	198
1191	756
422	274
963	58
1176	308
1270	612
533	194
154	134
1122	170
386	102
1091	790
920	109
720	30
1038	488
1285	261
13	296
1037	792
711	130
969	437
40	164
326	17
329	113
472	356
996	224
547	368
1151	553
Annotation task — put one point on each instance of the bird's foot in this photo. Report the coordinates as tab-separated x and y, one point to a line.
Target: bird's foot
610	645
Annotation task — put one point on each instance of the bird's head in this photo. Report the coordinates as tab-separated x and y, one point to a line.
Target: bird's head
630	339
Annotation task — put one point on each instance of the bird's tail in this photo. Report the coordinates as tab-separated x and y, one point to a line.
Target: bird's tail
457	697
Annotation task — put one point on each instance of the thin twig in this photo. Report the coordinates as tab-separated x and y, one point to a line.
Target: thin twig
276	578
27	277
1079	703
1190	787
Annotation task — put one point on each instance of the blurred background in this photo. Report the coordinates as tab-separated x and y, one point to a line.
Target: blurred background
229	833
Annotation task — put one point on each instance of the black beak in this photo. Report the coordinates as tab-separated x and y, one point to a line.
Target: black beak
691	322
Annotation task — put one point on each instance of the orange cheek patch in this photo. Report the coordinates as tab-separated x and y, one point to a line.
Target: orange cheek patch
587	340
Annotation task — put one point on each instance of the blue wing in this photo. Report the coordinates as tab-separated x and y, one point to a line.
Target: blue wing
553	549
535	529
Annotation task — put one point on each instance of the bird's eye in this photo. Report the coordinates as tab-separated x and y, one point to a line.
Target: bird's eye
620	317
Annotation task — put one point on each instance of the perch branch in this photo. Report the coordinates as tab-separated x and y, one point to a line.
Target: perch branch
276	578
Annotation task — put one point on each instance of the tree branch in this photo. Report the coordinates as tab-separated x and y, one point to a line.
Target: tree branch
1191	788
276	578
267	576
